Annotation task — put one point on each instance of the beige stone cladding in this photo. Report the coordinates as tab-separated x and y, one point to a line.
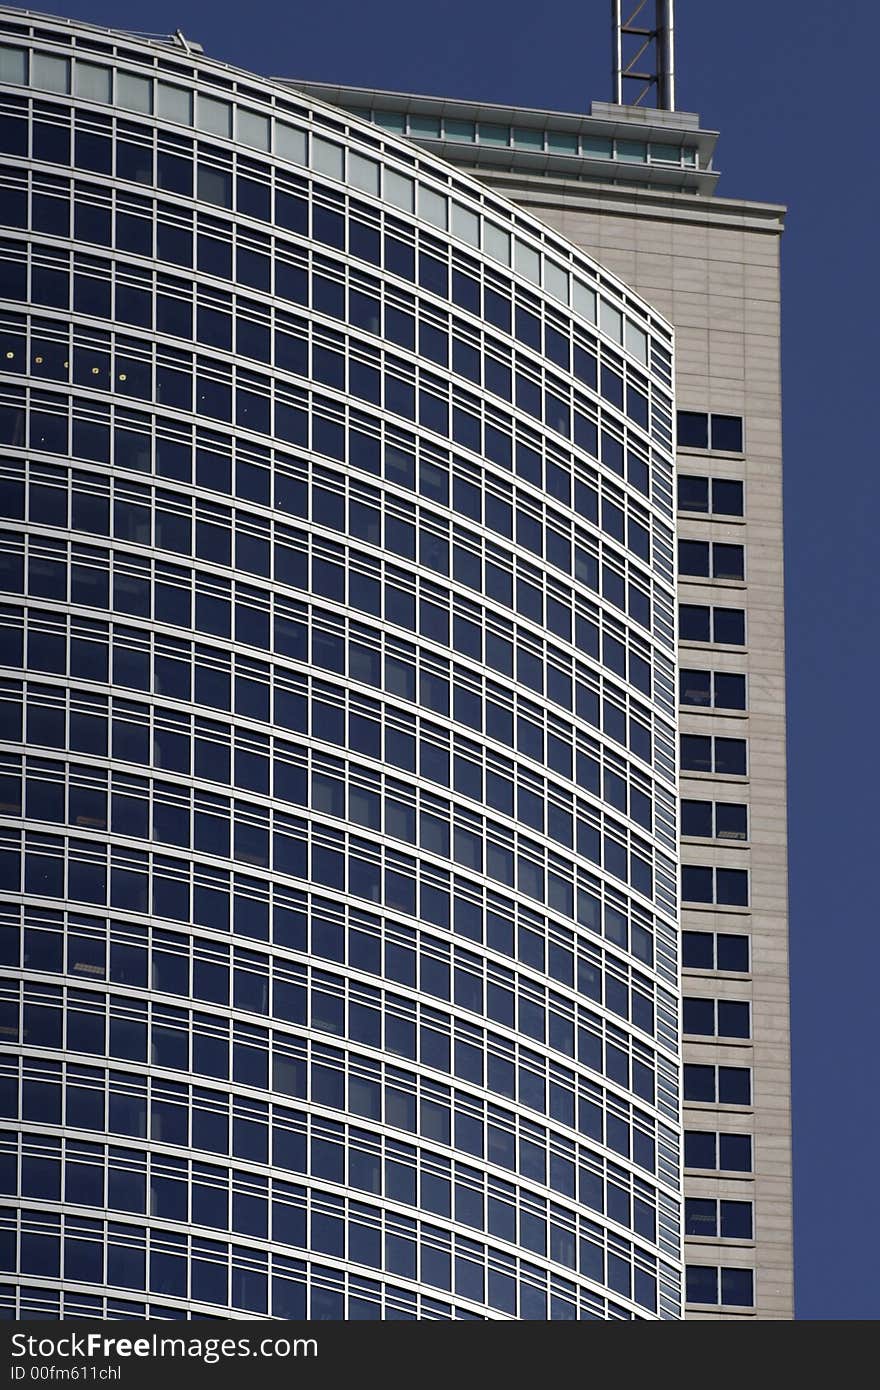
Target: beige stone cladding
711	266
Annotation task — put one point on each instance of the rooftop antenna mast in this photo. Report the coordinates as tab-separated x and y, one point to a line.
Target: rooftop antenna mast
643	53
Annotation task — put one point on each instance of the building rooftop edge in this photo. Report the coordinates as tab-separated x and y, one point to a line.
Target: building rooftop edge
604	112
607	188
602	115
681	152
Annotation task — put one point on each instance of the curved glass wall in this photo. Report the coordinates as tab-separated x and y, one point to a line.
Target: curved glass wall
338	819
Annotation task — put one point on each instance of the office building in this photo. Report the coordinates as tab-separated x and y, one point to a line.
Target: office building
339	798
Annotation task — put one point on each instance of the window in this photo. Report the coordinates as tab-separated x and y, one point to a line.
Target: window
726	433
732	1287
703	884
693	493
702	623
716	1018
720	496
727	497
703	950
717	1085
715	820
707	1216
697	430
714	1151
712	689
710	560
702	753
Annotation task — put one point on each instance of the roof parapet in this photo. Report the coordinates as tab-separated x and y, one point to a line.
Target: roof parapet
617	144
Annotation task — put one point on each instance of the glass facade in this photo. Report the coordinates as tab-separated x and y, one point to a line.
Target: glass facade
338	783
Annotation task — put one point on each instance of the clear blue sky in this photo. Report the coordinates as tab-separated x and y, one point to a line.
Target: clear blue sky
764	74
